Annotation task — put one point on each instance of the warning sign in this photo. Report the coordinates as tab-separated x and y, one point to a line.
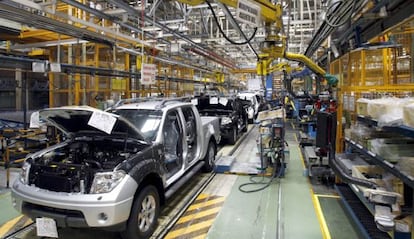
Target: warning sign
148	73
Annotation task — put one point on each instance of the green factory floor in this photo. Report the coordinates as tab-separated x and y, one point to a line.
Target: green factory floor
288	208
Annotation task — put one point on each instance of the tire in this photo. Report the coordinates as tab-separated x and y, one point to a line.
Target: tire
245	126
233	136
144	214
210	158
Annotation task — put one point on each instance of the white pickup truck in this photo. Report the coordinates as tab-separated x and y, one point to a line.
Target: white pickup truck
114	169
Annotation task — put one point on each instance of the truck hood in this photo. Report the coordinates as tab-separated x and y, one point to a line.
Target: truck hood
75	119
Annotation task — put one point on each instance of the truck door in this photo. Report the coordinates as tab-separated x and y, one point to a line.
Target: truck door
173	142
191	134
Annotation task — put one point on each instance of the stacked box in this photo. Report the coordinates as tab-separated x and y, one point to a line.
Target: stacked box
408	115
391	149
362	106
406	164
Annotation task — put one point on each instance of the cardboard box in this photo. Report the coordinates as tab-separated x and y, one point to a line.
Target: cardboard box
403	224
408	115
362	106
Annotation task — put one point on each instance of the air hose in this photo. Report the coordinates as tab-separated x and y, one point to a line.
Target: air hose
276	174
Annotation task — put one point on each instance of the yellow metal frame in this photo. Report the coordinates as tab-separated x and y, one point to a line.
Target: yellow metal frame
371	71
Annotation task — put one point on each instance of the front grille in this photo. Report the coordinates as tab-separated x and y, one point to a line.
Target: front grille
59	211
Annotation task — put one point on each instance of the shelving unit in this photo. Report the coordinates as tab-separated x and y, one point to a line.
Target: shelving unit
375	159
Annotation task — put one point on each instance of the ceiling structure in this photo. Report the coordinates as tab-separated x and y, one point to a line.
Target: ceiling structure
169	30
178	32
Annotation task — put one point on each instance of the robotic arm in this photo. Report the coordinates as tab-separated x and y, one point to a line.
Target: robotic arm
274	46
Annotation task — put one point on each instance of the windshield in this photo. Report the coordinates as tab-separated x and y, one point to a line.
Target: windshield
147	121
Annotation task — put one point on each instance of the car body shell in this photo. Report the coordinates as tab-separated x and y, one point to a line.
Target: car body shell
143	162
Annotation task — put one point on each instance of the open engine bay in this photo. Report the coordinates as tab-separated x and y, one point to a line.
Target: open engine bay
71	166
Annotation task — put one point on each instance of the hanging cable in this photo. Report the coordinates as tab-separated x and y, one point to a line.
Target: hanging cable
224	34
331	9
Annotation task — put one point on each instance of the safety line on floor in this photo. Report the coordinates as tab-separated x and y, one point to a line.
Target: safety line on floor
13	225
321	218
9	225
319	214
326	196
198	218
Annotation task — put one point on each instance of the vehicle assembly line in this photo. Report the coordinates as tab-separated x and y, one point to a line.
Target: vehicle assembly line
140	119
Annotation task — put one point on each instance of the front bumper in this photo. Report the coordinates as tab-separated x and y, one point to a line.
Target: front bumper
77	210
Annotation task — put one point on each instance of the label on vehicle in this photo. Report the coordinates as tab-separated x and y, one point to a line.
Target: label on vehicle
213	101
223	101
102	121
194	101
46	227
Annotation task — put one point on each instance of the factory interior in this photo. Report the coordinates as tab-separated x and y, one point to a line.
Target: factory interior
180	119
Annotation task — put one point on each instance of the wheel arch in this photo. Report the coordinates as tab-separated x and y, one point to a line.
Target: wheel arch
148	172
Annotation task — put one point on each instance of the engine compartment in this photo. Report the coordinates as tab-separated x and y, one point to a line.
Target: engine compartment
71	168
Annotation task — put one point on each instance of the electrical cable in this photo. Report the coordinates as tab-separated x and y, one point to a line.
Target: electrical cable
224	34
330	10
275	175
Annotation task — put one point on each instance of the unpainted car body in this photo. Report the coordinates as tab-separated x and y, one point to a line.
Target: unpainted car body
114	170
232	113
253	110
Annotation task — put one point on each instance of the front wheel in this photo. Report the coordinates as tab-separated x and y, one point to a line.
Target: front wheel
233	136
210	158
246	123
144	215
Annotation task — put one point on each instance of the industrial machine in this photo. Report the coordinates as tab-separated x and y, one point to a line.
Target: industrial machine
271	141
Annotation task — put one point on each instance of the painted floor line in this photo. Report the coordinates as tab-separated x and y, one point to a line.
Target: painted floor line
319	214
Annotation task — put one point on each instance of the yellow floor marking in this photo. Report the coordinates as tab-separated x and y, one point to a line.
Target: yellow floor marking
296	138
202	196
206	203
327	196
200	237
9	225
199	215
27	222
293	126
321	218
319	214
301	158
193	228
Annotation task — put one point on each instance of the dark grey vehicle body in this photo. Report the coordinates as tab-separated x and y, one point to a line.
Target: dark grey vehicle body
113	171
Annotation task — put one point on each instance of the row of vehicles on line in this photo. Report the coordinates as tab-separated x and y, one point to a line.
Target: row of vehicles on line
114	169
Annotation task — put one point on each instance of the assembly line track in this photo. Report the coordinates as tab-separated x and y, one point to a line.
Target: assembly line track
164	230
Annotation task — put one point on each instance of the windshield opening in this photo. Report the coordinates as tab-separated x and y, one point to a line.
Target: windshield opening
147	121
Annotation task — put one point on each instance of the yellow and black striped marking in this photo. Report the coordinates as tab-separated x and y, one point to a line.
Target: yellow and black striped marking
198	218
14	225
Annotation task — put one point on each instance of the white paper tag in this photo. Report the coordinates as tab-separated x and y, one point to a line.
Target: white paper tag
102	121
194	101
46	227
34	120
223	101
213	101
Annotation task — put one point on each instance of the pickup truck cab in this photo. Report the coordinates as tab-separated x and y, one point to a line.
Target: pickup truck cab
114	169
231	111
253	110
